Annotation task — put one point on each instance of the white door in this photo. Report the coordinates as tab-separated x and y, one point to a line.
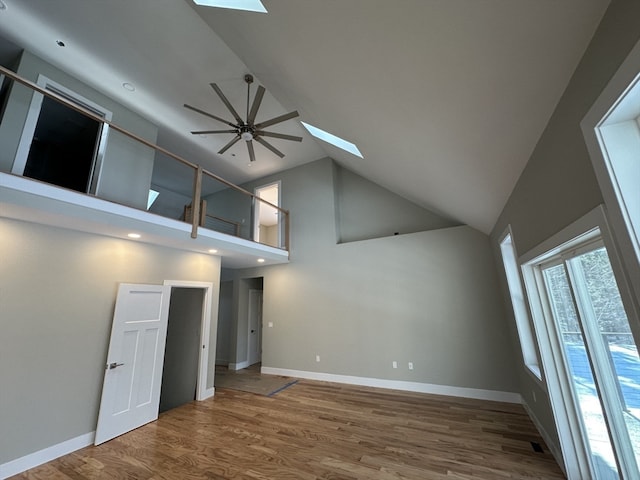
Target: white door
255	326
133	372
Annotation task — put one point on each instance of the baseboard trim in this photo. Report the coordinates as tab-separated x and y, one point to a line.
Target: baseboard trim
208	393
492	395
45	455
555	451
238	366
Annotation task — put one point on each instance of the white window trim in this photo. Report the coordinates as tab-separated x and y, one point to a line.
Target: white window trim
569	241
527	333
625	82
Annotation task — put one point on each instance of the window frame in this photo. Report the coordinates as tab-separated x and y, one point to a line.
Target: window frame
569	242
619	96
525	328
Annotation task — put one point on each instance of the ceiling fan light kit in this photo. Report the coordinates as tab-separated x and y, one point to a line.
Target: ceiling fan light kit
247	129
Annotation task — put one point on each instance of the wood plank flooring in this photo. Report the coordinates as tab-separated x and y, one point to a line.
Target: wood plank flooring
317	430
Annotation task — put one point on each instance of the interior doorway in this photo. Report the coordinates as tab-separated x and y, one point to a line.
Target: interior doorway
266	228
239	328
182	348
136	356
59	145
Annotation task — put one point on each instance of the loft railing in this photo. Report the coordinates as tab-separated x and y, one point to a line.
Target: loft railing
124	166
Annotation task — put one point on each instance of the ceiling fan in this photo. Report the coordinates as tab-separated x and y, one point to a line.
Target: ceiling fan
247	130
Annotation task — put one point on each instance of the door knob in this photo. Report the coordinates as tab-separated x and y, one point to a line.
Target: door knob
253	331
114	365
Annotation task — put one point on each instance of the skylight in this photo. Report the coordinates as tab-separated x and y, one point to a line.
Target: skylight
248	5
332	139
151	198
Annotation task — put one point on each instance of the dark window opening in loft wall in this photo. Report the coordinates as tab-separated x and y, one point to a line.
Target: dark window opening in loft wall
64	147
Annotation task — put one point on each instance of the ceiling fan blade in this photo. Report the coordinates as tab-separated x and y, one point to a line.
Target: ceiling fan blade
205	132
269	146
227	104
257	100
252	155
202	112
275	120
229	145
278	135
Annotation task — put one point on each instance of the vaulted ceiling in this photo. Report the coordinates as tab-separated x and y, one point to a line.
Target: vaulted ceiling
445	99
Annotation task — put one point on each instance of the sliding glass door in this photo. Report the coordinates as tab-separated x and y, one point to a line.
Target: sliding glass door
596	355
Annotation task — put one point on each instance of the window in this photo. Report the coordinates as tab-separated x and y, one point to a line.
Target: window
585	317
523	325
612	132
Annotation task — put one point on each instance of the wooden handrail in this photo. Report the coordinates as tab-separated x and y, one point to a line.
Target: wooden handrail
199	171
59	98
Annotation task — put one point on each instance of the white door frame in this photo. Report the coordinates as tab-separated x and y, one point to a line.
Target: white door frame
258	206
202	393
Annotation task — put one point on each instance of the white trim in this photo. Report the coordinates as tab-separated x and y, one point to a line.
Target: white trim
32	460
205	329
450	391
612	107
567	242
526	331
258	206
239	365
583	227
553	446
210	392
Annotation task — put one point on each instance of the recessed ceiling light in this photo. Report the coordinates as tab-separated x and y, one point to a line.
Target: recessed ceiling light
248	5
261	260
134	235
60	43
213	250
332	139
129	86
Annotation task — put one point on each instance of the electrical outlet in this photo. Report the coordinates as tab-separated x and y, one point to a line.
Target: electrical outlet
270	324
410	365
394	364
317	358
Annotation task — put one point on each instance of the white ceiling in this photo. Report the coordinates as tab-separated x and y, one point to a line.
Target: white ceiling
445	99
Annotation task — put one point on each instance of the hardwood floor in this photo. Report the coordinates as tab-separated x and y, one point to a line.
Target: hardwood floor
317	430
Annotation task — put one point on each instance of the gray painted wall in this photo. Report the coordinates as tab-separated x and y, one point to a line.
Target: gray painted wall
366	210
127	165
224	338
431	298
57	294
558	185
182	349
